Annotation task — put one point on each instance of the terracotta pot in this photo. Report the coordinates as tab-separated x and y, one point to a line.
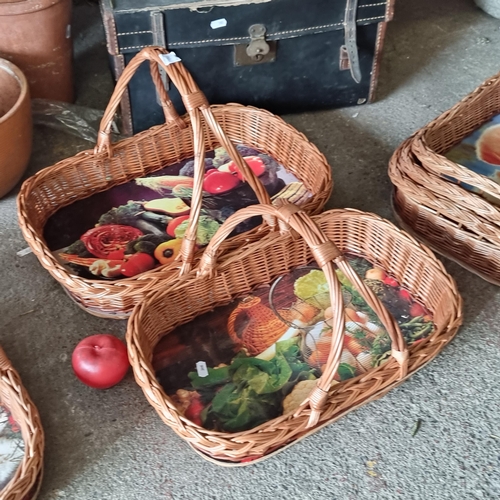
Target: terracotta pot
36	36
15	125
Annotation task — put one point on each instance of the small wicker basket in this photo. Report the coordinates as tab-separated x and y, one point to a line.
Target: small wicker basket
205	128
325	238
28	477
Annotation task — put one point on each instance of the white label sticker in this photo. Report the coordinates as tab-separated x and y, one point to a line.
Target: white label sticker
24	251
169	58
201	368
218	23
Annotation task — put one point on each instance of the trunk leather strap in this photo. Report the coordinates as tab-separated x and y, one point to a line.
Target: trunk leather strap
350	39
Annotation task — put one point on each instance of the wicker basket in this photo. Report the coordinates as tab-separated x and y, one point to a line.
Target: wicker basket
454	222
27	480
433	141
325	237
205	128
465	209
448	238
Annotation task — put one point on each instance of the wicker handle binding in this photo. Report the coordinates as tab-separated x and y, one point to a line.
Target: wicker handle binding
326	253
197	105
5	363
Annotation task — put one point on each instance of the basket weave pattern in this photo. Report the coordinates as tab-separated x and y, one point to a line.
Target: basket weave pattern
205	128
352	232
457	223
27	480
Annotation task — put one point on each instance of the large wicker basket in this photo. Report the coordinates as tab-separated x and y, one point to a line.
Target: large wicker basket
28	477
204	128
434	140
325	238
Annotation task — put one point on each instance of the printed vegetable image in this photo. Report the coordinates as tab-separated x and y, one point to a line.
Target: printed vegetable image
250	391
146	244
167	252
164	184
207	227
220	182
174	223
265	351
137	264
101	241
254	162
170	206
131	214
140	215
106	268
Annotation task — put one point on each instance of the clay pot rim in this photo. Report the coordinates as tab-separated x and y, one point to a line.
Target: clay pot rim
15	72
18	7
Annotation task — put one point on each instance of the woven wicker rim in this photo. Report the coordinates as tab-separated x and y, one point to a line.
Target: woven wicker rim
450	128
464	208
396	247
28	477
447	238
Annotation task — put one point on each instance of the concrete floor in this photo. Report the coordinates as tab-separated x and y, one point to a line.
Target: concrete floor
112	445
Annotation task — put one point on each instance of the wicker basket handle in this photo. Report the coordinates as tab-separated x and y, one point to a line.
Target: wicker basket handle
197	106
104	134
5	363
326	254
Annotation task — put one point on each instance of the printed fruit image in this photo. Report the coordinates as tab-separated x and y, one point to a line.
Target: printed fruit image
375	274
167	252
488	145
174	223
254	162
100	361
220	182
137	264
417	310
169	206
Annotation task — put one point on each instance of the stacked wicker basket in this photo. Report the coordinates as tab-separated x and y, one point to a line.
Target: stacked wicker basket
429	198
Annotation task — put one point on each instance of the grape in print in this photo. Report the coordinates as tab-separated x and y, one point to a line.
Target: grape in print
11	447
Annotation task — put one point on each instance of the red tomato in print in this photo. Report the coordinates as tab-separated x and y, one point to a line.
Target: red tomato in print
136	264
254	162
220	182
389	280
100	361
174	223
417	310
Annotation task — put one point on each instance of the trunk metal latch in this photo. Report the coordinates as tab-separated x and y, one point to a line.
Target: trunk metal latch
258	51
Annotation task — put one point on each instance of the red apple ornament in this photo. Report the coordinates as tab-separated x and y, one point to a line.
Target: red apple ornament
100	361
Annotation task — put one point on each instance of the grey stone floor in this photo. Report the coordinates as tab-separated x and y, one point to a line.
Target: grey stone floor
112	445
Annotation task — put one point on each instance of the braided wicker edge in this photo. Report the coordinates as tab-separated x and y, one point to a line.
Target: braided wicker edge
28	477
465	208
447	238
116	299
450	128
287	429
